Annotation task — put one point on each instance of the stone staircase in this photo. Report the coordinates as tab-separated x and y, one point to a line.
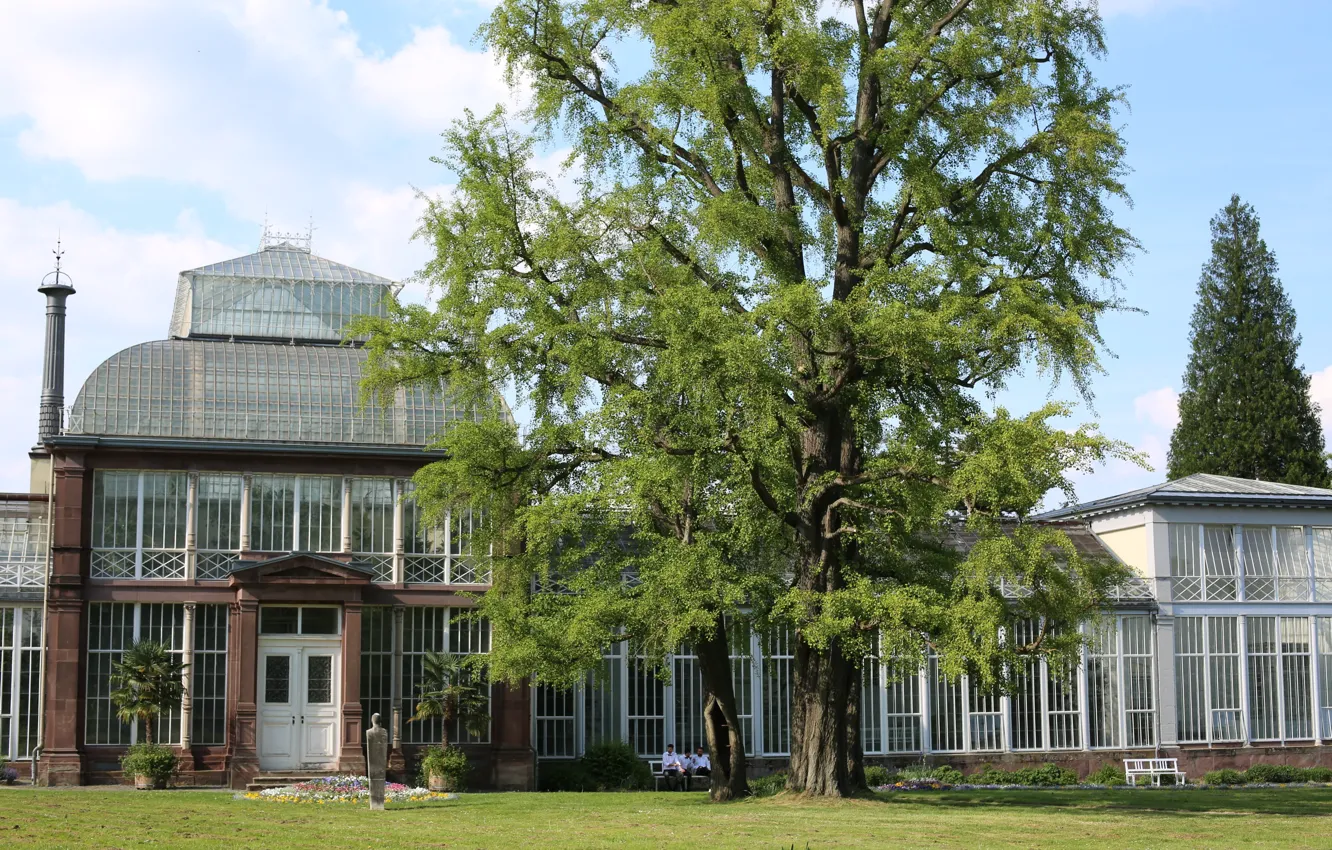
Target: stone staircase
286	777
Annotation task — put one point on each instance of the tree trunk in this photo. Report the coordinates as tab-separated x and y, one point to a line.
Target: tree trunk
726	740
147	729
820	688
855	747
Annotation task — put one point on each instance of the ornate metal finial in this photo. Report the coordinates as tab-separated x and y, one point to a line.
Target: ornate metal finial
273	240
58	274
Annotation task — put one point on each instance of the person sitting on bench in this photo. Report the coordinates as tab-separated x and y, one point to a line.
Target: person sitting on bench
697	765
672	768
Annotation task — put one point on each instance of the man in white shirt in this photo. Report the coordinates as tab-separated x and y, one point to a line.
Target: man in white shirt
672	767
697	765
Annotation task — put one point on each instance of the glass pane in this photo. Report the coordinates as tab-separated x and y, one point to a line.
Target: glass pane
321	515
164	498
372	515
319	621
219	513
277	621
277	679
319	679
272	512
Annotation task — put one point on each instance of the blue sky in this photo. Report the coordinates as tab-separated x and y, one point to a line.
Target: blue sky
157	136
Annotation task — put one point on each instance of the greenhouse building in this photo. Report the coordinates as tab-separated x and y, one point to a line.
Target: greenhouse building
223	491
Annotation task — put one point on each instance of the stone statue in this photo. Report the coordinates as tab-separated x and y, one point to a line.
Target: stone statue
376	760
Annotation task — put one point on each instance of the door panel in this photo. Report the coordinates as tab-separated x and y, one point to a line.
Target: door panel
320	713
277	709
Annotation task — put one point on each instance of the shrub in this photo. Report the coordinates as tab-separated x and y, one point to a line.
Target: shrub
1225	776
564	776
1108	775
151	760
876	776
448	763
1272	773
945	773
1047	775
8	774
614	766
1316	774
767	786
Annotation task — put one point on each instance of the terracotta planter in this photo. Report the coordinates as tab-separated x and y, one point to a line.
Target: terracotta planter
149	783
438	783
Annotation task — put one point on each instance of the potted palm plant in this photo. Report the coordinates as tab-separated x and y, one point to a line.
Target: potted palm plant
453	693
146	681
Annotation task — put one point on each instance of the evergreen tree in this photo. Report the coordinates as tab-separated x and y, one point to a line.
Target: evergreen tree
1245	409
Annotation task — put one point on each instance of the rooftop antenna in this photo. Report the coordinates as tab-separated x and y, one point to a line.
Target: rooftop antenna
56	286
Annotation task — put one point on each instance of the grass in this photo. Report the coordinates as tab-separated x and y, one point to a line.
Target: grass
105	818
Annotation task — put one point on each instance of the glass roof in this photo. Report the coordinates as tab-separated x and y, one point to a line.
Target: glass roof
282	292
216	390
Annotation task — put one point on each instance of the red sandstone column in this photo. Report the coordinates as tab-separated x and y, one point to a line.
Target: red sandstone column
514	759
351	757
241	668
62	760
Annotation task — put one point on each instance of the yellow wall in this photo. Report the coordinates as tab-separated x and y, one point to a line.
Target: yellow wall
1129	545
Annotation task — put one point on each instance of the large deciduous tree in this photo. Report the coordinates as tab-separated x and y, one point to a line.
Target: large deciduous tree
1245	409
754	343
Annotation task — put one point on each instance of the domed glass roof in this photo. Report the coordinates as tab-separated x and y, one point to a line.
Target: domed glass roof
212	390
255	355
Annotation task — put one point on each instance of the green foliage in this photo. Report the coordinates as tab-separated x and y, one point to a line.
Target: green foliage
1225	776
769	785
451	691
1046	775
564	776
1245	408
615	766
1276	774
1316	774
940	772
145	682
756	336
876	776
155	761
448	763
1107	774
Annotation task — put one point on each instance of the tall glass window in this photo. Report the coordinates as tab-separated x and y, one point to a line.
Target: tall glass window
219	532
377	665
138	524
647	706
112	627
1138	640
1207	679
208	678
902	704
23	543
778	658
603	711
372	508
1103	685
429	629
425	542
272	513
20	659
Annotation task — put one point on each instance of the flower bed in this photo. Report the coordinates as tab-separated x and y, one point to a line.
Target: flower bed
342	789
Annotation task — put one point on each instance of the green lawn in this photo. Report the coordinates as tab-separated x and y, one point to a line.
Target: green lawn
1102	819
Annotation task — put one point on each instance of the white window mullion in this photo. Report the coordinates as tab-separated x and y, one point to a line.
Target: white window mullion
1084	716
1207	678
138	532
296	516
1280	676
966	713
134	632
1241	592
923	682
1121	673
1242	638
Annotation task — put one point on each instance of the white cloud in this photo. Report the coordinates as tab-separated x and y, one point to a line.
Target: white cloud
258	100
1159	408
124	283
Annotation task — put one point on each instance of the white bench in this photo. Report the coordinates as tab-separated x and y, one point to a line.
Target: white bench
1154	768
654	765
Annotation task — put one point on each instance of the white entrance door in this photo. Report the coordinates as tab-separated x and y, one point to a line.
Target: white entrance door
299	683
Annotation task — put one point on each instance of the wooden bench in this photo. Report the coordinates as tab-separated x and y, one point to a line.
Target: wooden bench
1155	768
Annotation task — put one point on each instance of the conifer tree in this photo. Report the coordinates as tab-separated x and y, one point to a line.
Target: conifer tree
1245	408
